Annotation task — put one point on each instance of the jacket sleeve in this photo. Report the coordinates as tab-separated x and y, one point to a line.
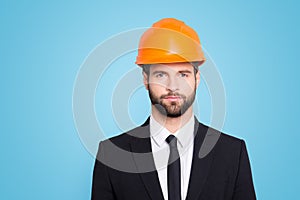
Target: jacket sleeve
101	186
244	189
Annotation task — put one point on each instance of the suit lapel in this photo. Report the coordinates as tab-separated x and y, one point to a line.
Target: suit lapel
141	146
142	155
200	166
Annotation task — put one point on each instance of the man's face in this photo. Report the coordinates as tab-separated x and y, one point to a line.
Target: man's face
172	87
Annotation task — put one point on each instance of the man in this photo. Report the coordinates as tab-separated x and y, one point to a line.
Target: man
172	156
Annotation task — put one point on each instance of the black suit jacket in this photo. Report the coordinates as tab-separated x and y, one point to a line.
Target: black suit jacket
125	170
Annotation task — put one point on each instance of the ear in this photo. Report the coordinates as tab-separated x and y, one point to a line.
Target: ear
197	78
145	80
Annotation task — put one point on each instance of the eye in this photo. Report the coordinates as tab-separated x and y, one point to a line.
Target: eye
160	75
183	75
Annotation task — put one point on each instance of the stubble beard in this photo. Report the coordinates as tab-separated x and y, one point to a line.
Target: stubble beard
172	109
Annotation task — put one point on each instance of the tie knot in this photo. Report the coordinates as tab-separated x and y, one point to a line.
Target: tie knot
172	141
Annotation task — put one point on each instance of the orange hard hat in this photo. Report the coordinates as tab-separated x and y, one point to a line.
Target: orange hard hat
169	41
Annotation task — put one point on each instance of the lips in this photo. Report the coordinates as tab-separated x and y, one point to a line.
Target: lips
172	98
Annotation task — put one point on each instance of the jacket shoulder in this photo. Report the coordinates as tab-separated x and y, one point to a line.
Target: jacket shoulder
220	140
124	139
229	139
225	136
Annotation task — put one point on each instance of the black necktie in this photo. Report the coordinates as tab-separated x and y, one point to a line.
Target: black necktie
174	192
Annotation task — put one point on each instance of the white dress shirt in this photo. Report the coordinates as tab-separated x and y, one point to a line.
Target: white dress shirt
161	151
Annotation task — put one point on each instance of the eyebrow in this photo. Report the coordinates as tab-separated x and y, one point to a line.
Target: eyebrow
185	71
163	72
158	72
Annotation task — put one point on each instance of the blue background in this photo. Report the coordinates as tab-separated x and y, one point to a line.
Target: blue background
254	44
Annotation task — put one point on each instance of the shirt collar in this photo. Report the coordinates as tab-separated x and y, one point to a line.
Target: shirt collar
184	135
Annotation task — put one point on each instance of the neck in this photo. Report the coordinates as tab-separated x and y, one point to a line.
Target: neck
173	124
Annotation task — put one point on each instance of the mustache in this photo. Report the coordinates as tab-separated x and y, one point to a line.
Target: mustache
173	94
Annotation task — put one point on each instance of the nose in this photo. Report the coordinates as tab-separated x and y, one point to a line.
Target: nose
172	84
